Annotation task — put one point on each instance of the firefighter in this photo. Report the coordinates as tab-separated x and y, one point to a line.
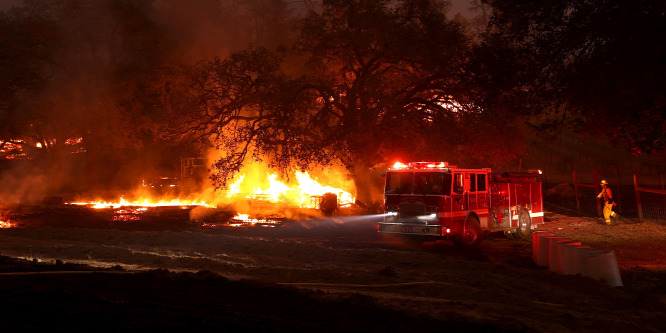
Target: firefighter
607	196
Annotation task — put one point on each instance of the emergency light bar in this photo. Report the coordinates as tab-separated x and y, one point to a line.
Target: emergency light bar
422	165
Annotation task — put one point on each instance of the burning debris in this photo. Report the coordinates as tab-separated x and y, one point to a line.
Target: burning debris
5	220
244	220
255	197
141	203
22	149
259	189
129	214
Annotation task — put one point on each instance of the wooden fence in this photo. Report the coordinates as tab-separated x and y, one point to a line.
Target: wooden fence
649	194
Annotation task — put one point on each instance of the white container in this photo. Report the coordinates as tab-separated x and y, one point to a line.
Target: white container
580	259
602	265
543	257
553	254
537	238
566	257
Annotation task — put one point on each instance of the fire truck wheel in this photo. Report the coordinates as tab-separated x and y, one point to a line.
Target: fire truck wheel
471	235
524	230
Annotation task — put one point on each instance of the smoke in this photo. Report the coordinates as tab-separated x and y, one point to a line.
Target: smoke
105	80
24	184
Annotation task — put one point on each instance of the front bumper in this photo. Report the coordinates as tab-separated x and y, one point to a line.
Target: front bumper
411	229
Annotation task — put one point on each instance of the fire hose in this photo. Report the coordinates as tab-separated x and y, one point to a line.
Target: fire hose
321	284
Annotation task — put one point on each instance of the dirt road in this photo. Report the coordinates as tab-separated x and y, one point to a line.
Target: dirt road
343	258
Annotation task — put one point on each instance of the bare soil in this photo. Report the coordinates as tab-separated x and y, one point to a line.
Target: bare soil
75	270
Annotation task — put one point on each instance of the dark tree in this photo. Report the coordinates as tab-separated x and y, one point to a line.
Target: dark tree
27	48
596	66
82	76
382	81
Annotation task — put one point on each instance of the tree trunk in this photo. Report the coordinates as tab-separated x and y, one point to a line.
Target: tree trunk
368	189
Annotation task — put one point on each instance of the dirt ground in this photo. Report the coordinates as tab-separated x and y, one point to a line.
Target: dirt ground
73	270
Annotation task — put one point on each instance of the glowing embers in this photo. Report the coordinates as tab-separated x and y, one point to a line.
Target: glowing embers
146	210
142	203
244	220
17	148
128	214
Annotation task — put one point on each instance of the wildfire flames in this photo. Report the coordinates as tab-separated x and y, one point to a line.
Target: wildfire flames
142	203
305	194
5	221
254	184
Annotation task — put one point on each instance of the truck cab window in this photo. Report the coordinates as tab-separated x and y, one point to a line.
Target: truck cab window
481	181
432	183
399	182
459	183
472	182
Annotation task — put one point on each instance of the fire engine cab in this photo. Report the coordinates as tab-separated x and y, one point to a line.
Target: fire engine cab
430	200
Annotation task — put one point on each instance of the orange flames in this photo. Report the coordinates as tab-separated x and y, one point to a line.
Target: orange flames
254	183
306	193
5	222
142	203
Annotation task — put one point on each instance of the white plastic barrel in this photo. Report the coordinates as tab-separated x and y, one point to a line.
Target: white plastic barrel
602	265
537	237
580	259
553	254
543	257
566	256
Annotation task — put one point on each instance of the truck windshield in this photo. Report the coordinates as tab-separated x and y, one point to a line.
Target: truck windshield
419	183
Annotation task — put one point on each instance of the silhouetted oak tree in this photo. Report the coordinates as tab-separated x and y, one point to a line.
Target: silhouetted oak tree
27	50
382	79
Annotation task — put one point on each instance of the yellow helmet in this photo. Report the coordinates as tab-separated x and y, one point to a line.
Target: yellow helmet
604	182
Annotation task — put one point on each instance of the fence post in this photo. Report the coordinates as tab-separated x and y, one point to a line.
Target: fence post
575	175
661	176
639	207
595	175
617	181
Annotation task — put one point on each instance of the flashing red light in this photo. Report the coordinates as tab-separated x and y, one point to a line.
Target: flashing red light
399	165
421	165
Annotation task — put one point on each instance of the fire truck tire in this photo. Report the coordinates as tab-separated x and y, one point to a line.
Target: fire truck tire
471	235
524	230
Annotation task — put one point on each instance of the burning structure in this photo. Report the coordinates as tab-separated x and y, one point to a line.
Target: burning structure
255	197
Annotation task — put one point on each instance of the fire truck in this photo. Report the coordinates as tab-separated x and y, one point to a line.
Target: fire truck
426	201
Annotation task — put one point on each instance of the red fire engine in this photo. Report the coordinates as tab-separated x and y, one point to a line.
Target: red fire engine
430	200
